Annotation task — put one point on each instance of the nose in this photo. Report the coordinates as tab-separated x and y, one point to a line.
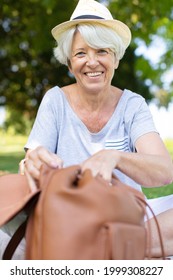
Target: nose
92	59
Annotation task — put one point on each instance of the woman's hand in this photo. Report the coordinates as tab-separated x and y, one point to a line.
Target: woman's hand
36	158
102	163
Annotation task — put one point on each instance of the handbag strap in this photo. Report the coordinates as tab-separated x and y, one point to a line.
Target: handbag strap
19	234
14	241
158	229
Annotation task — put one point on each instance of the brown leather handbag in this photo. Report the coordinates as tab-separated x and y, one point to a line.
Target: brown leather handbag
74	216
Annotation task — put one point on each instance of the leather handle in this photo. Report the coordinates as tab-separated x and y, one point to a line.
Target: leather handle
14	241
158	229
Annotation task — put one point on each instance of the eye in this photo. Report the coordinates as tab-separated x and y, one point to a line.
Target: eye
80	54
102	52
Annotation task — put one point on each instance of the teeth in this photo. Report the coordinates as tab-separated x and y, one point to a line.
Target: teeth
93	74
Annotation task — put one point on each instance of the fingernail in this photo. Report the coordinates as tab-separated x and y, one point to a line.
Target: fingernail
54	164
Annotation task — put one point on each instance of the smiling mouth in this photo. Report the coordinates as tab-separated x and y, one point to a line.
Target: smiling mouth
93	74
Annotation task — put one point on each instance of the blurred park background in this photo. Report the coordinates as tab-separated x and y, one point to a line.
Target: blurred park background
28	68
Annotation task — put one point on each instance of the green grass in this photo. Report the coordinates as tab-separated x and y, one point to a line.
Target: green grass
11	152
165	190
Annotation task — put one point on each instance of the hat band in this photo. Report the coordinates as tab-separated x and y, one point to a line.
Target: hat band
88	17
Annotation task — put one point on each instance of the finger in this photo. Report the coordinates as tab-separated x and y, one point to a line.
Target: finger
56	161
32	169
93	167
25	165
41	155
22	166
106	176
98	169
32	183
44	156
106	172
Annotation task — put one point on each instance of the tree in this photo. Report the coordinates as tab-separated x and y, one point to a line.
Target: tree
29	67
150	22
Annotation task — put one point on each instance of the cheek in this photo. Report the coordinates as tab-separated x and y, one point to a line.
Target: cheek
73	66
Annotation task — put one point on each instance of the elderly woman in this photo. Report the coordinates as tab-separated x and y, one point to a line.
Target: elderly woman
97	125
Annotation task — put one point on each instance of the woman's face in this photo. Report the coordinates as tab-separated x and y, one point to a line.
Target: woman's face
92	68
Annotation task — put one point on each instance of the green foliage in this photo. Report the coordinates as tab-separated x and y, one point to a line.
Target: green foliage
29	68
148	21
26	57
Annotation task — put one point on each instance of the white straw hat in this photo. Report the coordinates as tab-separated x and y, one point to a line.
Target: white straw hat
90	11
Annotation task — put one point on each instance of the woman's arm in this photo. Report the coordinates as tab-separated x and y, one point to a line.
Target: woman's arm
151	166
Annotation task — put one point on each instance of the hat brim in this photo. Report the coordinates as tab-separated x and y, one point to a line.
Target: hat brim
119	27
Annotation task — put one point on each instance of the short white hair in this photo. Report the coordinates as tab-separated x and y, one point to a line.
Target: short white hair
95	36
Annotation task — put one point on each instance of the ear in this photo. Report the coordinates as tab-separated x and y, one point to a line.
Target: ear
70	69
116	64
69	65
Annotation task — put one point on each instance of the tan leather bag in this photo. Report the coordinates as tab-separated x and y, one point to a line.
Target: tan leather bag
15	193
79	217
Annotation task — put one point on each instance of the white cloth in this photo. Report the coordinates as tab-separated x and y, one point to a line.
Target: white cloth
160	204
6	233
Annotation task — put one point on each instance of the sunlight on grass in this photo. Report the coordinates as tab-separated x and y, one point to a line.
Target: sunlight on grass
11	152
169	145
165	190
11	143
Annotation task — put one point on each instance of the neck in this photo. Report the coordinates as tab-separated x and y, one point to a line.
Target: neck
93	101
94	109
